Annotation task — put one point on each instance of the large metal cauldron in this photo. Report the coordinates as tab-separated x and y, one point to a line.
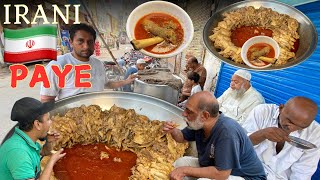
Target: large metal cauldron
163	92
153	108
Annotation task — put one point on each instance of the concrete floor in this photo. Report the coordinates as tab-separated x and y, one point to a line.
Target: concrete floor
9	95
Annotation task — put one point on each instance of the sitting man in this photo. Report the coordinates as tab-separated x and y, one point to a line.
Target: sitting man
194	66
140	65
237	101
269	126
20	154
193	79
223	147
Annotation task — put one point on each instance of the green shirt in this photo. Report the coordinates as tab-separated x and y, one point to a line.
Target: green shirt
19	157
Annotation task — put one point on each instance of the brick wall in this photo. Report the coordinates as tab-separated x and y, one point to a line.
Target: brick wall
199	12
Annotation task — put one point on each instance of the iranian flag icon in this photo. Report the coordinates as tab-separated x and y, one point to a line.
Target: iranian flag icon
30	44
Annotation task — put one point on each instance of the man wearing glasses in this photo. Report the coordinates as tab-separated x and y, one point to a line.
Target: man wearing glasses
269	126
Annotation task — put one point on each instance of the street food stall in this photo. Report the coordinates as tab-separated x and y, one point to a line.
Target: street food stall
118	135
227	52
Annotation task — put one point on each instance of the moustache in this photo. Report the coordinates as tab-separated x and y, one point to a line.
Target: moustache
86	51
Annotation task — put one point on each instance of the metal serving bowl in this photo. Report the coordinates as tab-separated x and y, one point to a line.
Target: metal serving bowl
307	32
167	8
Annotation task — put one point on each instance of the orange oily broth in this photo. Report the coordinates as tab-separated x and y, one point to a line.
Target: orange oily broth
158	18
82	162
240	35
260	46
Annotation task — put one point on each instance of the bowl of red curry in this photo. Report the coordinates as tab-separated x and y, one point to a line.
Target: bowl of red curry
260	52
160	20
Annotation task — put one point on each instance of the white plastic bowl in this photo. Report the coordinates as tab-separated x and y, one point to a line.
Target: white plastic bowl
161	7
255	40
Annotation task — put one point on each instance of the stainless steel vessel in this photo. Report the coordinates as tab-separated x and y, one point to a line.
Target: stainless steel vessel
307	31
163	92
153	108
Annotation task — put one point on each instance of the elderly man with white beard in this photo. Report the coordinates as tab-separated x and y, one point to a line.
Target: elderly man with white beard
238	100
224	149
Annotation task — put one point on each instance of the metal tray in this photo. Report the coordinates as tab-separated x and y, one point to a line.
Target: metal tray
307	31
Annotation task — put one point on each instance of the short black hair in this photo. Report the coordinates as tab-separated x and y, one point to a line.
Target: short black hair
193	76
194	60
82	26
27	126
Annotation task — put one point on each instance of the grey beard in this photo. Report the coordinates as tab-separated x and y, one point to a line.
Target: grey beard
238	93
195	125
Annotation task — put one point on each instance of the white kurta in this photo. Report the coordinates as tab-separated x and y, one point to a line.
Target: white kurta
291	163
195	89
238	109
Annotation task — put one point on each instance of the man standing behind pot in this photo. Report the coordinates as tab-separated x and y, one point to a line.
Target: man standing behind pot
20	154
82	38
140	65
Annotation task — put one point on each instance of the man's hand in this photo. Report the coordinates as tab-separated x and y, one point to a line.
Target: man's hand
53	137
117	84
47	147
275	134
185	93
46	173
131	78
56	156
169	126
178	173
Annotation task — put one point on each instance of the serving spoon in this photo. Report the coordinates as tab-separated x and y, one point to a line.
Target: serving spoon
301	143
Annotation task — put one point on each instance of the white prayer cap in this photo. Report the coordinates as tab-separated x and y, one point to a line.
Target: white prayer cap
141	61
244	74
